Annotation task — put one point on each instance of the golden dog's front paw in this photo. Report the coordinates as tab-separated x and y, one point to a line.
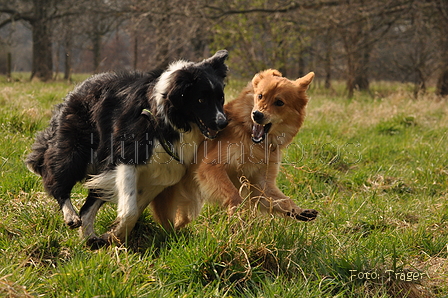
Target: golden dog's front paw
233	204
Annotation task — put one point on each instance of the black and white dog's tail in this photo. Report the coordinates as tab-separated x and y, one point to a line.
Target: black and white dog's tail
44	139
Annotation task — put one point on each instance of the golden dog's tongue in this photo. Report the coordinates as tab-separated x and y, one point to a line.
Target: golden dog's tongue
257	133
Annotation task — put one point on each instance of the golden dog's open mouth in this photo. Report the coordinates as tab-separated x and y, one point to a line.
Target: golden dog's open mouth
259	132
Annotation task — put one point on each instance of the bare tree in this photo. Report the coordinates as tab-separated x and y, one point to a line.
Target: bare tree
67	29
415	63
337	38
40	15
328	57
442	82
360	25
167	30
442	17
5	53
103	18
279	34
262	35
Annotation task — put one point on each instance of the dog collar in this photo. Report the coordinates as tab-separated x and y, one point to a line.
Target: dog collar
163	142
147	113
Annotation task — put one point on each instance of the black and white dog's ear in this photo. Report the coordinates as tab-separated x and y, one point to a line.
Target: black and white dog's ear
184	78
217	62
219	58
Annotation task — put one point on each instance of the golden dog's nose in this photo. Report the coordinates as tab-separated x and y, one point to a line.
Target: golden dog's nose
257	116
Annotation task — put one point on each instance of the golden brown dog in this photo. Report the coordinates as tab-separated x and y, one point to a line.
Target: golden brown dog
244	160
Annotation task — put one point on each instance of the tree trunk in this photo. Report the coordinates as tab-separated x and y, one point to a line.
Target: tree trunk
68	63
135	62
328	59
9	65
42	51
350	75
162	47
357	77
42	66
361	70
301	71
442	82
96	52
162	58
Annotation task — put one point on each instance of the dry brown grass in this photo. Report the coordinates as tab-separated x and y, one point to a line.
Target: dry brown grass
428	110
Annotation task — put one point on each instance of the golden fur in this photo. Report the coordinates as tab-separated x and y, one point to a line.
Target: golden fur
233	166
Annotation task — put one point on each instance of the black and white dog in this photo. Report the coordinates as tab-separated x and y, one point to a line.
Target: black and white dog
129	135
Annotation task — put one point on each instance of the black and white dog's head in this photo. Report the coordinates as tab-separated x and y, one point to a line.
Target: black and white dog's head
193	93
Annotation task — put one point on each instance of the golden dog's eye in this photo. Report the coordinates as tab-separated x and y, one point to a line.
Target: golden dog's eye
279	103
260	96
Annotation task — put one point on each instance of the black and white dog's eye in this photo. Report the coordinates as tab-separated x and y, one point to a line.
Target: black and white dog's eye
279	103
260	96
200	100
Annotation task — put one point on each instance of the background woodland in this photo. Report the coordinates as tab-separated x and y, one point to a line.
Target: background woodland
352	40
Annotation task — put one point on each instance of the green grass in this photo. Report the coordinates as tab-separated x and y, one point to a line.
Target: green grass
375	167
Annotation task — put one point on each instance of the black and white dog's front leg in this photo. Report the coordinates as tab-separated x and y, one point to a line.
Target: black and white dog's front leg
88	214
127	208
71	217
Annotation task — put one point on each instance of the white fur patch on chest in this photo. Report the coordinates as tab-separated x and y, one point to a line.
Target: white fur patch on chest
161	171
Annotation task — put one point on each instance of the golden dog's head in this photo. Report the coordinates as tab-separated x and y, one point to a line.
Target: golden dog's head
279	103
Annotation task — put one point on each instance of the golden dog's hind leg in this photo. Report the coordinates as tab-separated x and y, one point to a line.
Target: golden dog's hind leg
174	207
163	209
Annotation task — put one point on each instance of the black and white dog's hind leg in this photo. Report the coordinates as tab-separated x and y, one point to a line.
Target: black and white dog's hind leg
62	159
127	210
126	186
121	185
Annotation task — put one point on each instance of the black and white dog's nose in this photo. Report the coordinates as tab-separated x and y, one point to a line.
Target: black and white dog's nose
257	116
221	121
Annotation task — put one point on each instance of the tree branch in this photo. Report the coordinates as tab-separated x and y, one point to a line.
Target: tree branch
14	16
290	7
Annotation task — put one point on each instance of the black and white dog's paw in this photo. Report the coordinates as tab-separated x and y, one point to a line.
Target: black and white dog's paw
73	221
96	243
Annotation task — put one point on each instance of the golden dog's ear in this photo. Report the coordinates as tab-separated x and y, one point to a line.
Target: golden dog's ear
305	80
269	72
273	72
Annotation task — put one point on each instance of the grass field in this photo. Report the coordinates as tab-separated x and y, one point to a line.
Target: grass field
375	167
